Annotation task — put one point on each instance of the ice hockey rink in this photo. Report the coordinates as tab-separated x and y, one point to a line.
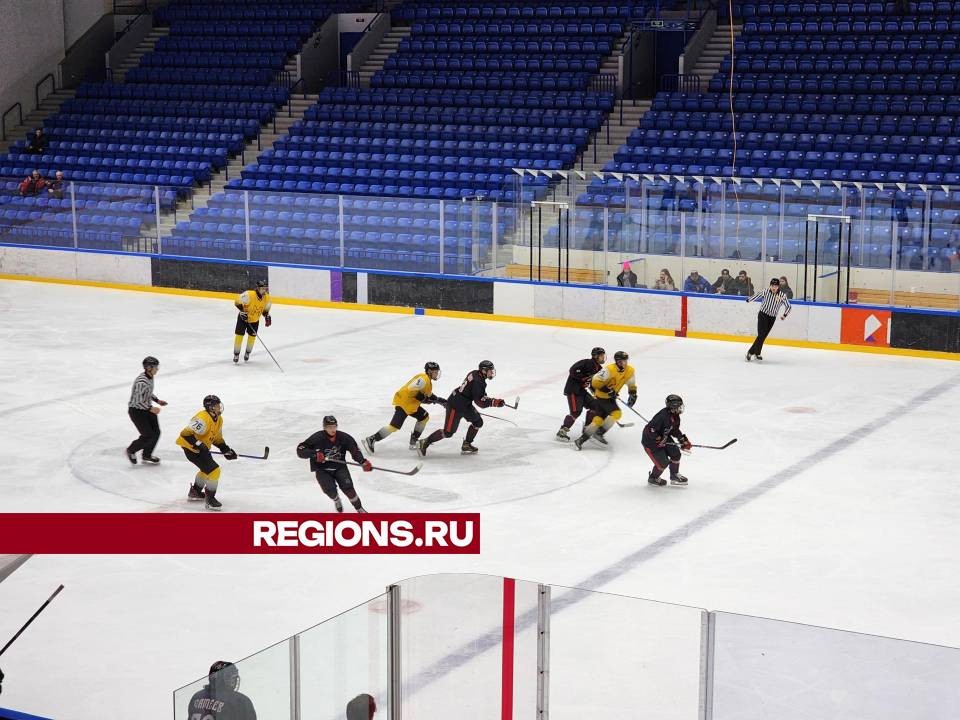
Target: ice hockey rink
838	506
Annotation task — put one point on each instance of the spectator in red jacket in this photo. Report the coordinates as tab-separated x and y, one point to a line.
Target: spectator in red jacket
32	184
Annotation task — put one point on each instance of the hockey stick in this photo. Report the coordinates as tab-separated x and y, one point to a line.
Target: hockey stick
266	454
497	417
624	425
32	618
710	447
630	408
514	406
250	327
381	469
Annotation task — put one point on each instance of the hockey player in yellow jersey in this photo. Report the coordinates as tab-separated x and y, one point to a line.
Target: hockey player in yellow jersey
252	304
407	402
606	385
204	430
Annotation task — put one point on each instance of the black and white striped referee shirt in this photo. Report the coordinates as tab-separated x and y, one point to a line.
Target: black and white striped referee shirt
772	302
141	394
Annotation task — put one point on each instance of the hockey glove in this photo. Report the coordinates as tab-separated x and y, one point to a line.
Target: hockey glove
267	320
685	443
229	454
497	402
662	442
162	403
632	399
440	400
243	316
320	457
421	397
366	465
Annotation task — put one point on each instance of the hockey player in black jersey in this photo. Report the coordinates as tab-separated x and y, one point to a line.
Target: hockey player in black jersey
657	436
575	389
473	390
220	698
326	450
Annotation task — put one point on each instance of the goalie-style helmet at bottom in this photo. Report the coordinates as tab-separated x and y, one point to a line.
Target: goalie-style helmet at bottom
224	675
674	403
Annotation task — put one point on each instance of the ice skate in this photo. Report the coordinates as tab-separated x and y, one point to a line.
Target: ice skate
212	503
236	357
563	435
748	357
338	505
132	457
195	493
656	480
151	459
369	442
422	446
678	479
598	436
578	443
468	449
246	356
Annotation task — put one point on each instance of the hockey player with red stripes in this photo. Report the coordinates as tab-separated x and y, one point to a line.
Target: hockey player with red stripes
575	389
663	440
472	391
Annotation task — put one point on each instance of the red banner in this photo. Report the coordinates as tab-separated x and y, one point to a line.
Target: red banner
238	533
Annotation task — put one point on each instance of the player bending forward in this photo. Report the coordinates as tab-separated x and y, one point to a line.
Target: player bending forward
252	305
205	429
408	402
575	389
606	385
326	450
657	434
460	404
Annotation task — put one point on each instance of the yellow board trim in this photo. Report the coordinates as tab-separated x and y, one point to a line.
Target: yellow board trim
463	315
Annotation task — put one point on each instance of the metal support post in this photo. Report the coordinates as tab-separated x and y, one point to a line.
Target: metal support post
394	667
156	200
708	633
246	220
294	645
543	652
343	253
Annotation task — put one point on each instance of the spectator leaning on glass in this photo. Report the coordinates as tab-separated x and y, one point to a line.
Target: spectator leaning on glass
771	302
742	284
665	281
724	283
696	284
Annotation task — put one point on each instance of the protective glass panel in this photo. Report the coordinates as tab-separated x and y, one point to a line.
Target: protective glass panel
454	654
613	656
344	657
767	668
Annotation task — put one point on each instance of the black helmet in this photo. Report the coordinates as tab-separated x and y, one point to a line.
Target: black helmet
329	420
674	403
620	355
261	284
224	674
150	361
431	366
210	401
597	351
487	366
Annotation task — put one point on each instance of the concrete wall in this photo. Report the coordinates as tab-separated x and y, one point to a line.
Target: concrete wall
80	15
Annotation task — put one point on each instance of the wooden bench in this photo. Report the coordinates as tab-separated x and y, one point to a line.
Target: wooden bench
904	298
549	274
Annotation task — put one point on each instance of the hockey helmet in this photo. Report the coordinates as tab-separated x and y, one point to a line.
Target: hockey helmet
432	367
212	403
620	356
224	675
674	403
597	352
329	420
489	371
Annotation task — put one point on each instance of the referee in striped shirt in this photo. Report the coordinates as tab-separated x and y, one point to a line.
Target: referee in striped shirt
144	413
771	301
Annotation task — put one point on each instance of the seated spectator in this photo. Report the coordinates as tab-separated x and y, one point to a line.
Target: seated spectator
665	281
724	283
627	278
32	185
362	707
785	288
743	285
38	143
696	284
55	186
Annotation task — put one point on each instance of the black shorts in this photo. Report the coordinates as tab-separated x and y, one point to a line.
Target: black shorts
577	401
662	456
202	459
604	407
330	478
245	326
399	415
457	412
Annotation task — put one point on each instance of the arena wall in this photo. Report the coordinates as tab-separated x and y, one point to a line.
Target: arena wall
818	325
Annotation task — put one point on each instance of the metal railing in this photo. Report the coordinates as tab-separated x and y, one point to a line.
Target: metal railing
36	88
3	122
680	83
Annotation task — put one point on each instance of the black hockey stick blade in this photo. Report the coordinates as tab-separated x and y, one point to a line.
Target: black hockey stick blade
382	469
266	454
515	404
497	417
620	424
717	447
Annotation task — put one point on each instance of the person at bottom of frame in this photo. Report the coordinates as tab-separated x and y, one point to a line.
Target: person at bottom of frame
326	450
362	707
220	698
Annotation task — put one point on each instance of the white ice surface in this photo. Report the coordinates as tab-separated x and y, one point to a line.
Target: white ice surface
864	535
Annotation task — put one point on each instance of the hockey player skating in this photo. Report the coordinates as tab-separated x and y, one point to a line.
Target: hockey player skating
408	401
473	390
326	449
575	389
251	304
204	430
606	385
771	302
657	435
143	413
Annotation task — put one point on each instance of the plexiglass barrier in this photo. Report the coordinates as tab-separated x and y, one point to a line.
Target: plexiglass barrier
480	647
867	243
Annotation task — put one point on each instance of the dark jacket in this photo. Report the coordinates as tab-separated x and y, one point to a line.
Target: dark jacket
220	705
742	287
581	372
627	279
662	426
473	389
334	449
724	285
